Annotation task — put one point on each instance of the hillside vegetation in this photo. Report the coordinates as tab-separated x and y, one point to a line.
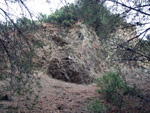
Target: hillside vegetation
56	63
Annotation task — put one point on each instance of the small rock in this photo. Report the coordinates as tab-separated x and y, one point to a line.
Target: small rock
70	99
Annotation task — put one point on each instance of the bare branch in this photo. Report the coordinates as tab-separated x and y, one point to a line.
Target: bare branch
132	8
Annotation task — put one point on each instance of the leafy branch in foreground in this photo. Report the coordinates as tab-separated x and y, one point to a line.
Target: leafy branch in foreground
16	55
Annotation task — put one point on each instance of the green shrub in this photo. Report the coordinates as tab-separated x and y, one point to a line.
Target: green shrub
96	14
64	16
114	90
111	87
42	17
67	23
97	107
24	24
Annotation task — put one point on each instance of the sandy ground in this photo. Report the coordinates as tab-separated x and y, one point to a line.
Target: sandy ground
56	97
61	97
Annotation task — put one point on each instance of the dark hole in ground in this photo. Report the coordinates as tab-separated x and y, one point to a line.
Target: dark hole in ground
69	71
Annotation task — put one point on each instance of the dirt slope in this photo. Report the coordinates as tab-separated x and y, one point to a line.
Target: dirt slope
61	97
55	97
70	54
67	60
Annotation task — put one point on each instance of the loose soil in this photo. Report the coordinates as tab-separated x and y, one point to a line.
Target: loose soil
72	59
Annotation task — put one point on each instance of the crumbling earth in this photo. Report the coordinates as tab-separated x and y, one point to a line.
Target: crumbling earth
67	61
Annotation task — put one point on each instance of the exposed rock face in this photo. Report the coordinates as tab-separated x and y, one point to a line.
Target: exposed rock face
76	55
68	71
76	59
71	55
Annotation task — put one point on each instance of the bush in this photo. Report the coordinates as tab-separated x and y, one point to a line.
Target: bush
96	14
110	84
115	91
97	107
24	24
93	12
64	16
42	17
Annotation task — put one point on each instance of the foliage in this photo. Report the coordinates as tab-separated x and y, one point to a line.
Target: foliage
16	61
136	13
42	17
24	23
114	90
96	14
16	70
97	107
144	46
64	16
93	12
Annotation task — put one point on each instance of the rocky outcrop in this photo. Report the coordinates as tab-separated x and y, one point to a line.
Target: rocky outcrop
71	54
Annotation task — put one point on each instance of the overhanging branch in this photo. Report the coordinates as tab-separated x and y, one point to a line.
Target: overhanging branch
129	7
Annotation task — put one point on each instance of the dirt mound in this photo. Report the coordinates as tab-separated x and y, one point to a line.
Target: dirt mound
70	54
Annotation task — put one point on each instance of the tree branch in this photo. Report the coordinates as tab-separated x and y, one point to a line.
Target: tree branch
124	5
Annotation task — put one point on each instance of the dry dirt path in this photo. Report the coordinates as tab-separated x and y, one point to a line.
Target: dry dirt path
61	97
55	97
